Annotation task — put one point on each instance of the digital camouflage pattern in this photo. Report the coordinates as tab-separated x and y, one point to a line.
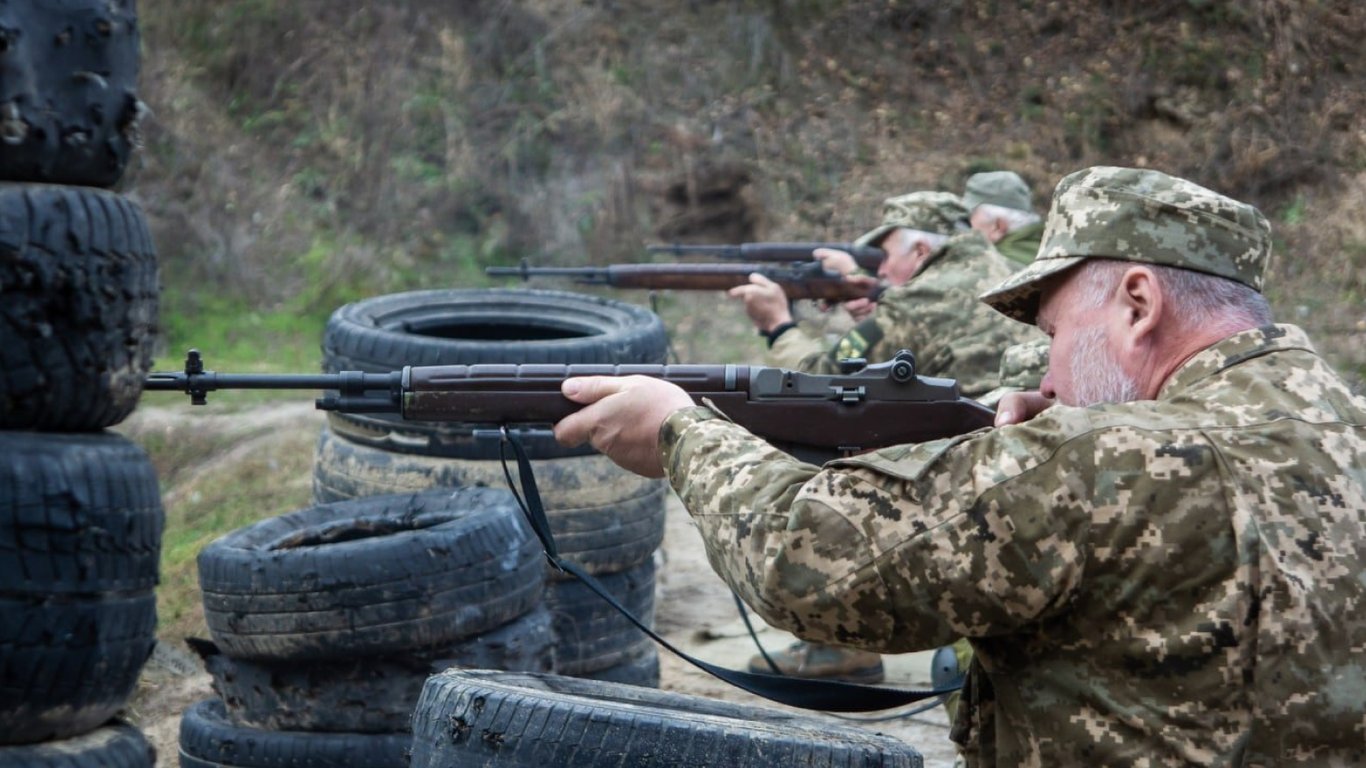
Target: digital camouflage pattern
1023	367
1143	216
936	315
1168	582
938	213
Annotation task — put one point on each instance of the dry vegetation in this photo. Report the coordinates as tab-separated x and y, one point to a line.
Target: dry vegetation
303	153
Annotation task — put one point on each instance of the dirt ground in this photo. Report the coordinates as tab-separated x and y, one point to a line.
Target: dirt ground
694	611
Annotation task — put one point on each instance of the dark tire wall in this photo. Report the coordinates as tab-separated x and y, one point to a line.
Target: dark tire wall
78	307
209	738
485	718
463	327
68	102
370	576
116	745
69	664
79	514
604	518
590	634
372	694
640	669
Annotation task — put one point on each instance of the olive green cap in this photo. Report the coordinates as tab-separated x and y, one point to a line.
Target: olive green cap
939	213
1132	214
1003	188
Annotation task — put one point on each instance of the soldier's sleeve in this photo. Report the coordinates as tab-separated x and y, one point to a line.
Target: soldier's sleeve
898	550
798	350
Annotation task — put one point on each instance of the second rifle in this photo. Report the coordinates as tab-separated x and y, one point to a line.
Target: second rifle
798	280
866	256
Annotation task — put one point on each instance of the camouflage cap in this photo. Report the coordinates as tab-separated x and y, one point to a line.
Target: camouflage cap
1023	367
1131	214
939	213
1003	188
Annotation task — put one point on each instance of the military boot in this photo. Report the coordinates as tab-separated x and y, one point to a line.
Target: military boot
824	662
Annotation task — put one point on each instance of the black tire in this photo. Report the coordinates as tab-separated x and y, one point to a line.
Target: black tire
591	635
209	739
117	745
641	669
78	307
603	518
377	575
461	327
79	514
68	664
68	99
373	694
478	717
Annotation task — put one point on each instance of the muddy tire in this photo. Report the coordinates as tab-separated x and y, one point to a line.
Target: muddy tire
478	717
462	327
117	745
68	99
591	635
80	514
78	307
68	664
378	575
208	739
640	669
373	694
603	518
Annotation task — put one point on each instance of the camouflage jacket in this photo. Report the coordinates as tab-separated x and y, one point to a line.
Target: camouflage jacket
1021	246
936	315
1167	582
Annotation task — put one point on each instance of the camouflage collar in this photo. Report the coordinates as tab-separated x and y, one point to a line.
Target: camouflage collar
1236	349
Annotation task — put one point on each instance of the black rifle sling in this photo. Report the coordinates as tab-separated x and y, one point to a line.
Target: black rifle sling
824	695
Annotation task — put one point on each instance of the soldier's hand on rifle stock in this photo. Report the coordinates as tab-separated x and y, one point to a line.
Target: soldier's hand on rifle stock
1019	407
765	302
836	260
621	418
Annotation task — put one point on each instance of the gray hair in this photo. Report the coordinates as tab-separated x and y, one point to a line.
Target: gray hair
1197	298
1014	218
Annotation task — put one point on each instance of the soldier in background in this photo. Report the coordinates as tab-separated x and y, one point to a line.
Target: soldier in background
1158	557
935	267
999	207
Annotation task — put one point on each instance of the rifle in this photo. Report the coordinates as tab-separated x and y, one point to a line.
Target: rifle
815	417
866	256
799	281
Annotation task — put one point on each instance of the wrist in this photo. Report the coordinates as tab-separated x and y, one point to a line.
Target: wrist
772	334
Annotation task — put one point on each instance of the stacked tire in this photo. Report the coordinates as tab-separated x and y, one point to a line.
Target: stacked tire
608	521
327	621
80	510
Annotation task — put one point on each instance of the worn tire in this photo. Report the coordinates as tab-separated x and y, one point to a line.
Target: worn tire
116	745
79	514
463	327
208	739
642	669
371	694
603	518
591	635
479	717
68	664
78	307
68	101
377	575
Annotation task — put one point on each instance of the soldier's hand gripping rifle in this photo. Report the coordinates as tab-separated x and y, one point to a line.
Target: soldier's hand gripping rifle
866	256
815	417
798	280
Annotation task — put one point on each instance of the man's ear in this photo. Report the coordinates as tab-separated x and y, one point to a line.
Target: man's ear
1141	304
999	229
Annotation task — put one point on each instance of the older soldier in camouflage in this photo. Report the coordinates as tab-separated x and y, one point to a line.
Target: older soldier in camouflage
999	207
936	270
1165	567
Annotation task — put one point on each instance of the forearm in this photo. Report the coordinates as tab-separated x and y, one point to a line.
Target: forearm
802	564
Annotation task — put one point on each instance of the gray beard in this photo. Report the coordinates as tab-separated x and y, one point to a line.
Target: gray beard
1097	375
